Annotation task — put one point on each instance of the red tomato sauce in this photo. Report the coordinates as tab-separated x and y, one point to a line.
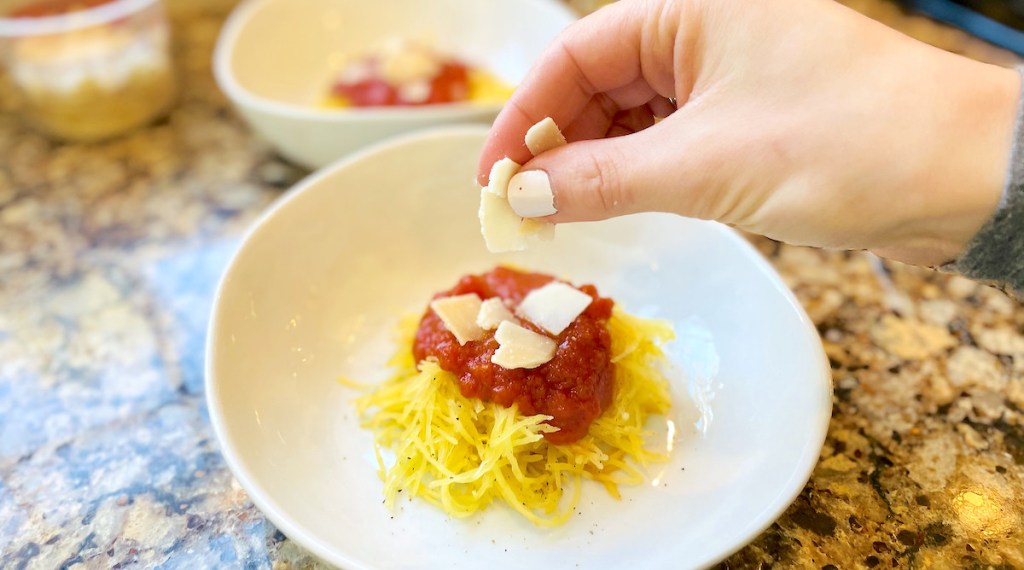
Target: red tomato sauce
450	85
55	8
574	387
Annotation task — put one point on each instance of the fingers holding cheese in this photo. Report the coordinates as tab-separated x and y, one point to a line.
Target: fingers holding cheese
510	199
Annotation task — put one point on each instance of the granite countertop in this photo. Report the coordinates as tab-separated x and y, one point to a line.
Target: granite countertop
109	255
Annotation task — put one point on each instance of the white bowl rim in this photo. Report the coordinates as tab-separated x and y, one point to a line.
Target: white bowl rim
802	469
225	77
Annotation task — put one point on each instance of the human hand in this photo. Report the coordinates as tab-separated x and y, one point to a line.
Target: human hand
800	120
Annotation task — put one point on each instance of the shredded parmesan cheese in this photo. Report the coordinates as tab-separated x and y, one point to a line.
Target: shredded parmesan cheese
462	454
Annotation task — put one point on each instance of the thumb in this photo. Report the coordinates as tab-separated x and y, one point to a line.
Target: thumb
603	178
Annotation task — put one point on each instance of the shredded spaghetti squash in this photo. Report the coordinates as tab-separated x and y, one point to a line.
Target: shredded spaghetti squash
462	454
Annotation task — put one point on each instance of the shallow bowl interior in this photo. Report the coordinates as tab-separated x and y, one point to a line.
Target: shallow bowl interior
320	282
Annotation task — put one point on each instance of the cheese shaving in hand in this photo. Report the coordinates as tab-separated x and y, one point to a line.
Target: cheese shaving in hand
544	136
502	228
501	173
462	454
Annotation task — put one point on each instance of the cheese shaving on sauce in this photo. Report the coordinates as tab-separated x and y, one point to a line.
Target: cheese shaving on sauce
554	306
463	454
492	313
459	315
519	347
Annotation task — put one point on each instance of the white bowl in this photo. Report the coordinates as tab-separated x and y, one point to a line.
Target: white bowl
273	60
320	282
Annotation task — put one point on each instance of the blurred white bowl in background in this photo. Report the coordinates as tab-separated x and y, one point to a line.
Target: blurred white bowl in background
274	61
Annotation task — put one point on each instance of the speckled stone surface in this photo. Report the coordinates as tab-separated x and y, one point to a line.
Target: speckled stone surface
109	255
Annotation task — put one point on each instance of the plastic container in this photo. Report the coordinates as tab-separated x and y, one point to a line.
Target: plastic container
88	69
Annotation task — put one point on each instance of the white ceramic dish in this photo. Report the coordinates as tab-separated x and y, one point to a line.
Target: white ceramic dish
318	286
274	59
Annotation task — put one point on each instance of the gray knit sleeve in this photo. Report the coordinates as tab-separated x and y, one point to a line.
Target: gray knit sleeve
996	253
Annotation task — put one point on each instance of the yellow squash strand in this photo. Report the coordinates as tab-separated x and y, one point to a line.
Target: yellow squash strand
462	455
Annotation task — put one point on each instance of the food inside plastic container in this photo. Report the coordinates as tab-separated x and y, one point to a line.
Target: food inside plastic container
89	69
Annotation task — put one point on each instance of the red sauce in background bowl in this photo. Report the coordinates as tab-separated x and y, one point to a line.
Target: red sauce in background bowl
47	8
449	85
574	387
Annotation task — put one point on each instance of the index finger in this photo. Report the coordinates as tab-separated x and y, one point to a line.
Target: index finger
597	54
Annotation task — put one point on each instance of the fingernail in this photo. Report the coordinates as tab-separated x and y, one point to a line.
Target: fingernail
530	195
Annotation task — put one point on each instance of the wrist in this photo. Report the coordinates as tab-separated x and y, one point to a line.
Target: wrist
972	113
